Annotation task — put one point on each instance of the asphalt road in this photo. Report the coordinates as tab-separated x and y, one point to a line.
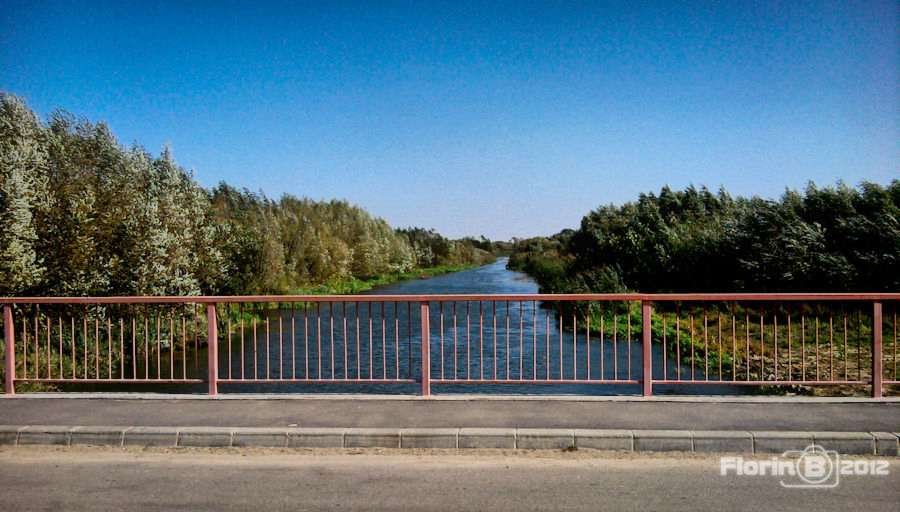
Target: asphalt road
92	479
390	413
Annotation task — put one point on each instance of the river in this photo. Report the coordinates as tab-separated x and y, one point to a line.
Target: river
525	341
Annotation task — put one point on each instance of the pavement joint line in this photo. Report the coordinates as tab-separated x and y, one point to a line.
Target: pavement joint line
843	440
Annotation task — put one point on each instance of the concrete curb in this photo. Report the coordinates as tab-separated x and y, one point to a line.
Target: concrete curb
687	441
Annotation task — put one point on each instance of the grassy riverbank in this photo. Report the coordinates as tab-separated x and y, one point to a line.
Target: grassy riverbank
354	285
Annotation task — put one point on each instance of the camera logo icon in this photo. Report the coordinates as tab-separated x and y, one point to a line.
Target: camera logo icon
814	468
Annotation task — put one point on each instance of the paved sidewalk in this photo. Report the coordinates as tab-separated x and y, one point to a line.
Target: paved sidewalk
366	412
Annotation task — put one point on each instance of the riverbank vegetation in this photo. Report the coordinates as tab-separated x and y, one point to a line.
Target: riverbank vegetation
836	238
82	215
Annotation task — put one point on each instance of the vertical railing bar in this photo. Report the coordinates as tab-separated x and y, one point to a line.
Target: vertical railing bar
293	340
775	340
49	362
629	335
441	308
346	341
383	344
371	341
243	356
265	309
615	333
212	345
331	334
358	343
719	337
587	340
790	342
574	347
693	377
198	312
846	347
228	313
802	345
831	345
158	347
425	319
468	343
481	339
877	350
96	349
534	340
171	338
859	343
255	342
306	306
762	344
319	339
61	376
647	347
280	340
37	352
9	337
25	346
74	342
705	344
817	345
602	345
184	345
521	340
396	342
507	340
455	344
494	337
409	321
664	347
734	352
678	342
561	321
547	335
146	344
747	326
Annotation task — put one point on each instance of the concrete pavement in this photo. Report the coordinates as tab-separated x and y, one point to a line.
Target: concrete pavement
38	479
534	412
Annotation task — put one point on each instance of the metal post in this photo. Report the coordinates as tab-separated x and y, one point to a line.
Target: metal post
212	347
647	349
9	336
877	351
426	349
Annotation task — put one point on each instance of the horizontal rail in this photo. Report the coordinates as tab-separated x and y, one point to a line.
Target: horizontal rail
653	297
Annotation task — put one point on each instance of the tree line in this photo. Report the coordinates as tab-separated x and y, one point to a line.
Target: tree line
836	238
82	215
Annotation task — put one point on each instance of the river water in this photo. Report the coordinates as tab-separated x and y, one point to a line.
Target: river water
488	341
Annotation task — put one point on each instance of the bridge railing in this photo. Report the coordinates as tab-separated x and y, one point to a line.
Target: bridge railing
579	343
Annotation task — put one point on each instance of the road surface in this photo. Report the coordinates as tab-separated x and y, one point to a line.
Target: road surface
273	480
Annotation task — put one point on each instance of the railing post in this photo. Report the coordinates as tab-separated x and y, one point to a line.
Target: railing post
212	348
877	351
647	348
426	348
9	336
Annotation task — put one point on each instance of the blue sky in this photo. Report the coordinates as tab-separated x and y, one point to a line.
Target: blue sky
495	118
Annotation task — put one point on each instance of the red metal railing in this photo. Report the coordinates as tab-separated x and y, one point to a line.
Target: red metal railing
453	341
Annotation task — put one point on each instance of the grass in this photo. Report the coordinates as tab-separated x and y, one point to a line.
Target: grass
355	285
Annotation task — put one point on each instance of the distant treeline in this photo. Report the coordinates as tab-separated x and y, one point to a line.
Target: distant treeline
82	215
823	239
